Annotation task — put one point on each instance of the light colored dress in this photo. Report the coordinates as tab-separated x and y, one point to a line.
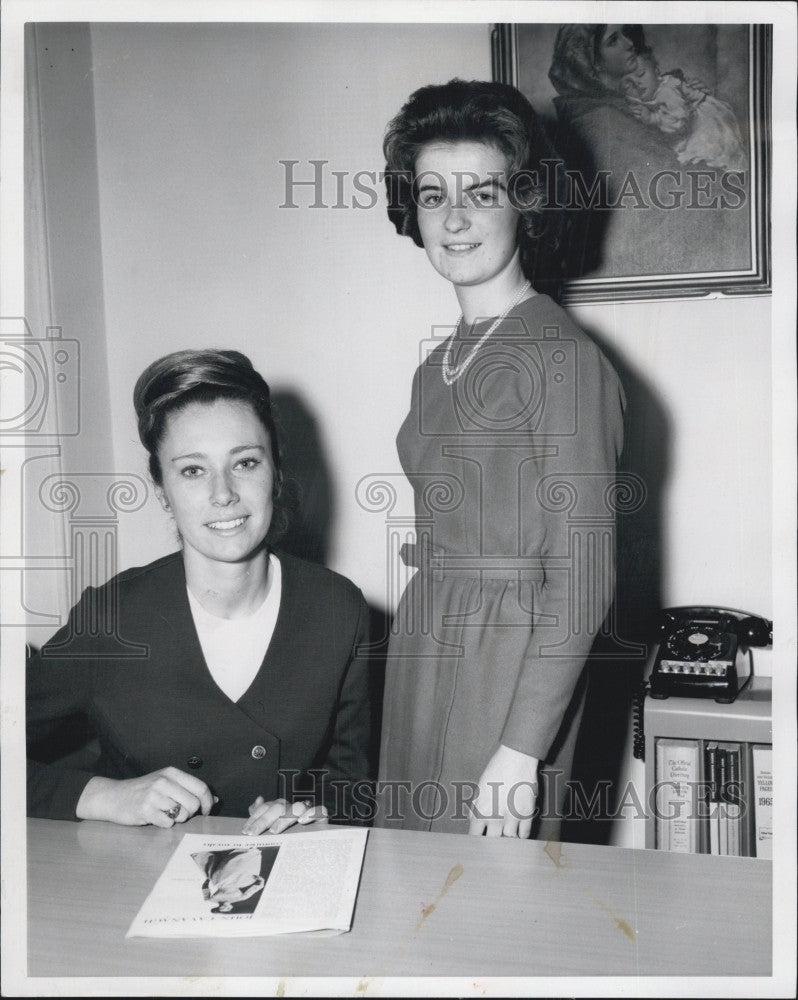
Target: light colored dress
513	471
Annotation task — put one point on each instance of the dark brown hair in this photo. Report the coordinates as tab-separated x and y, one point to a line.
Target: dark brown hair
494	114
202	376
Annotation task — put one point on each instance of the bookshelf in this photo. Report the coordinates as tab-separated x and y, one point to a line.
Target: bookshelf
704	723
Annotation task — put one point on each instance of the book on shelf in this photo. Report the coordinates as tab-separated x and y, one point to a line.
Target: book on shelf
762	780
735	802
724	752
731	807
677	776
711	777
736	784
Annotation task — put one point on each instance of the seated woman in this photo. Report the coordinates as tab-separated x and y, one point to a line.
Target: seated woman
249	691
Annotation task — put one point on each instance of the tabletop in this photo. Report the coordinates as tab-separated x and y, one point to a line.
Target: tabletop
428	905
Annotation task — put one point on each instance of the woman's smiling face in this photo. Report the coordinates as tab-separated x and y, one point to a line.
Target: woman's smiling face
218	479
468	225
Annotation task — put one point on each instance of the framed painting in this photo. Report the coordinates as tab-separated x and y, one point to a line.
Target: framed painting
661	137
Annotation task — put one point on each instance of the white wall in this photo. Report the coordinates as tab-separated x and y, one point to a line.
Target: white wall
706	365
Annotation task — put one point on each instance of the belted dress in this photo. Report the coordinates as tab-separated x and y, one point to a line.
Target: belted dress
513	473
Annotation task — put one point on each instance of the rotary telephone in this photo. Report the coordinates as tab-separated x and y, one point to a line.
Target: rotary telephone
698	649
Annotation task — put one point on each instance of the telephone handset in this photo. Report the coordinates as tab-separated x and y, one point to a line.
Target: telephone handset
698	651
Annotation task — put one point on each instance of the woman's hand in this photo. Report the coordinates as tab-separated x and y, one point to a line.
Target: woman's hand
161	798
505	802
278	815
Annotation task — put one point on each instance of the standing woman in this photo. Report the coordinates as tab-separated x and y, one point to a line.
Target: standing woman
511	444
227	676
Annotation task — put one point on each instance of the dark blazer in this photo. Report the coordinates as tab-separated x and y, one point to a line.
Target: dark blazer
129	666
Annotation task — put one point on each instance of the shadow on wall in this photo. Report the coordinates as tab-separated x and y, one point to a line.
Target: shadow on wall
616	666
310	508
307	486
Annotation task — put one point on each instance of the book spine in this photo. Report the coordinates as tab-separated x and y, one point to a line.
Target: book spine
677	778
711	763
747	798
762	767
662	839
723	777
731	795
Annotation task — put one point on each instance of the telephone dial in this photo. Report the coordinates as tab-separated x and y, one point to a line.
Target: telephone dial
698	650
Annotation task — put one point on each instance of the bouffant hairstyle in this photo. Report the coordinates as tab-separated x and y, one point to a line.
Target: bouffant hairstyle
495	114
202	376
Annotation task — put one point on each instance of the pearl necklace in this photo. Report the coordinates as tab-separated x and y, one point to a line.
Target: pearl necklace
451	375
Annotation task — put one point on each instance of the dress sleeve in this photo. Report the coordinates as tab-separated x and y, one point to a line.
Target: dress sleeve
567	496
348	792
59	684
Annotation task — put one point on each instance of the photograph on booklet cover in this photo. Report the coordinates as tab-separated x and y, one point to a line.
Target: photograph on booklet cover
234	878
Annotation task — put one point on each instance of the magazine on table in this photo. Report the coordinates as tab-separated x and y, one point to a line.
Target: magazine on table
236	886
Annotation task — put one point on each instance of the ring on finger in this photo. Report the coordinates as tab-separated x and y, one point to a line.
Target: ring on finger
172	813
